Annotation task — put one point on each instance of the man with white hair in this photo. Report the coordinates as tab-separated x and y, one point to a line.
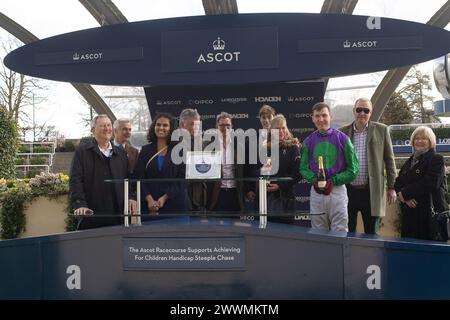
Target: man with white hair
93	163
122	135
368	193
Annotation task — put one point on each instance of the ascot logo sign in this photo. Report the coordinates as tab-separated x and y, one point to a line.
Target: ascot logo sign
218	55
87	56
359	44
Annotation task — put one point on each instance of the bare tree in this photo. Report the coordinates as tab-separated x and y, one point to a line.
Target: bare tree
129	102
416	90
16	90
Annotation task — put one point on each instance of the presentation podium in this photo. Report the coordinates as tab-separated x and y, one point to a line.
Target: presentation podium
221	258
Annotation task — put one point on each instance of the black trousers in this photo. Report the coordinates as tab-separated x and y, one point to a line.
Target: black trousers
359	200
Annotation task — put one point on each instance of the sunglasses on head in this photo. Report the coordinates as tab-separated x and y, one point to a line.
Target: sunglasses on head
365	110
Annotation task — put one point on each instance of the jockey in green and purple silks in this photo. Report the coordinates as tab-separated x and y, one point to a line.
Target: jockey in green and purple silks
341	165
328	205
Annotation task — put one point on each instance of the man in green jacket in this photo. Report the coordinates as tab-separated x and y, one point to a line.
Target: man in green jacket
373	146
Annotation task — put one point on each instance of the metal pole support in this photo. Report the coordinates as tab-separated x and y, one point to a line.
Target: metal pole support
262	202
125	207
138	199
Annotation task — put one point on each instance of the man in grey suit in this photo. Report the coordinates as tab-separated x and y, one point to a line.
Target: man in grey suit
373	146
122	136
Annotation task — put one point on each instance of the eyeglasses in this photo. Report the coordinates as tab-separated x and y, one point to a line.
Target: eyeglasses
365	110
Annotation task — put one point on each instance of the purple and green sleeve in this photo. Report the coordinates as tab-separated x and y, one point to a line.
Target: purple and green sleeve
305	169
352	166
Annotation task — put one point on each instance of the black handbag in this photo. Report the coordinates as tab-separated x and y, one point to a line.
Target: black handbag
439	221
438	226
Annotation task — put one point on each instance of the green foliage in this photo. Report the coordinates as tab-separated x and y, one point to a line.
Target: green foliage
398	220
20	160
396	111
8	145
84	140
38	160
405	134
71	221
13	198
17	194
25	148
69	146
42	149
34	171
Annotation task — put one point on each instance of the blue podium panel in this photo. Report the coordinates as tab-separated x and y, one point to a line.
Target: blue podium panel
271	265
221	259
21	270
364	269
417	271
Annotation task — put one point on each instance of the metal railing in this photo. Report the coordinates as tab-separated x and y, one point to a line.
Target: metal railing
33	152
262	212
262	186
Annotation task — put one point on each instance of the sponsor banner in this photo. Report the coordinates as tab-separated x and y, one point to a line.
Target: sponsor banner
404	145
293	100
89	56
243	102
407	142
219	49
360	44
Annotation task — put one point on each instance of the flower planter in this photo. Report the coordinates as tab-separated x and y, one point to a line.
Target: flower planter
45	216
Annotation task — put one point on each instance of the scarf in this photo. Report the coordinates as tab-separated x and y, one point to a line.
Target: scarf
416	156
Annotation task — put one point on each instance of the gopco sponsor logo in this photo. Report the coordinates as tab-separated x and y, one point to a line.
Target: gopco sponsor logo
200	101
268	99
87	56
219	55
299	115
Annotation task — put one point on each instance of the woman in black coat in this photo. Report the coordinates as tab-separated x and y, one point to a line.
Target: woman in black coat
280	194
155	162
420	186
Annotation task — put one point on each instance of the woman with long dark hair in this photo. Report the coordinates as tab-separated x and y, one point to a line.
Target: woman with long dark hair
155	162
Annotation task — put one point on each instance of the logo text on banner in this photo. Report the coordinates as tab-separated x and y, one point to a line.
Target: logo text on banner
220	49
360	44
89	56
